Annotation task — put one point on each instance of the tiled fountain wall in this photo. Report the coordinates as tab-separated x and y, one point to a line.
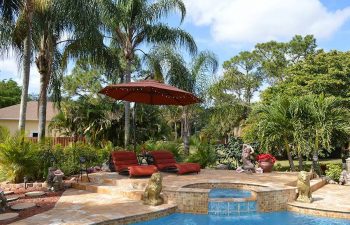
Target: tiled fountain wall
194	198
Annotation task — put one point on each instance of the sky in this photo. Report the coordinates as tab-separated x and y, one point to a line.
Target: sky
227	27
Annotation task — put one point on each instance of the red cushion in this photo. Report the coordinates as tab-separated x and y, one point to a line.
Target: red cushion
123	159
188	168
142	170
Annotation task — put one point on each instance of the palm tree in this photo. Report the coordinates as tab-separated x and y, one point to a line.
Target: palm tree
328	117
131	23
168	65
9	11
274	126
52	19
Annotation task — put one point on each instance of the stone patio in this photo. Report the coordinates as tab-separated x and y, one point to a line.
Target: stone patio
115	199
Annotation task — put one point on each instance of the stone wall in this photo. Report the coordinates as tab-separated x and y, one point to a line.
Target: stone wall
194	198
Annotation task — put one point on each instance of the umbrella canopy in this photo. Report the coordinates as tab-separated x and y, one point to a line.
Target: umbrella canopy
150	92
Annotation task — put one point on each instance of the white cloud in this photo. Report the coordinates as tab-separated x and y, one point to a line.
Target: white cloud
9	70
251	21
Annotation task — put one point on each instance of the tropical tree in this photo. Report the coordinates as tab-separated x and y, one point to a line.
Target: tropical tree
11	34
132	23
52	20
273	126
328	118
168	65
10	93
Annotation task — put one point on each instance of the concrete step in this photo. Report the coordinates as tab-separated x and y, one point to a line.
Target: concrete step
131	183
134	194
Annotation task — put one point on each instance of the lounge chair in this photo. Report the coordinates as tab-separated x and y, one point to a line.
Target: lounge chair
125	162
165	161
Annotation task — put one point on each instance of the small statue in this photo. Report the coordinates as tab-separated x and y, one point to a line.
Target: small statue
3	201
246	158
151	196
55	179
303	185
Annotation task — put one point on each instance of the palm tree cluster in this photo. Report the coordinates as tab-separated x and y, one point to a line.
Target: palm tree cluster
303	126
110	33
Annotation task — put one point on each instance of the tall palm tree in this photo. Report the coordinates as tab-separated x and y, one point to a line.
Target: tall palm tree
9	11
131	23
170	66
52	20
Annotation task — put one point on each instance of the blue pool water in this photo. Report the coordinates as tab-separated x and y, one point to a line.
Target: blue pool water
274	218
229	193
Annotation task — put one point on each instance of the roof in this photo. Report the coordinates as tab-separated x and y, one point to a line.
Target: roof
12	112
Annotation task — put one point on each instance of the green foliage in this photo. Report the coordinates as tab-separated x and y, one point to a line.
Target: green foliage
230	153
174	147
18	158
4	133
205	155
333	171
10	93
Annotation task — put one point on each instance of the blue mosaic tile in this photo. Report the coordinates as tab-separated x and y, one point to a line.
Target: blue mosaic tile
243	206
233	206
252	206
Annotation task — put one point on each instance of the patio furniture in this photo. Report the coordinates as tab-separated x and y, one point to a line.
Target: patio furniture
83	168
165	161
125	162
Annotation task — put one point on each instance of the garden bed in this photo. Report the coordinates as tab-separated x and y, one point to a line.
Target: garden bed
44	203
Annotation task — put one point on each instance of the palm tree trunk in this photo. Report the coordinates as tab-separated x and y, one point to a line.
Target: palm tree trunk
127	104
290	159
27	53
300	159
315	166
42	106
42	63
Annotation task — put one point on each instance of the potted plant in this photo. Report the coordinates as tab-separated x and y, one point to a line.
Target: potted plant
266	162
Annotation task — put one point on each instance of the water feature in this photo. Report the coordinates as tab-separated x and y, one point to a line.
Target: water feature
228	202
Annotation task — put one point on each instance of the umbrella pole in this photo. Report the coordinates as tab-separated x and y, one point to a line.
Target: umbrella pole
134	125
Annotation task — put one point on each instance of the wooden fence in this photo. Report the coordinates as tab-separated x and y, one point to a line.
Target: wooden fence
64	141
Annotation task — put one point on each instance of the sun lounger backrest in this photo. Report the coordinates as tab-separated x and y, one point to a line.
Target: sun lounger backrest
163	158
123	159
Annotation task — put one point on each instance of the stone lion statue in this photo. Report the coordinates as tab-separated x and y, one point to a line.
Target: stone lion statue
303	185
151	196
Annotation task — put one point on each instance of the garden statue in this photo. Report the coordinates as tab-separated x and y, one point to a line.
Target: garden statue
55	179
3	201
304	189
344	178
151	196
246	158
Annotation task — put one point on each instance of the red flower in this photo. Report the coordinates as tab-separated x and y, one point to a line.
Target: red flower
266	157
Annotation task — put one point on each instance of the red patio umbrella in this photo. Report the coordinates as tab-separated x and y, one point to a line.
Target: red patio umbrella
150	92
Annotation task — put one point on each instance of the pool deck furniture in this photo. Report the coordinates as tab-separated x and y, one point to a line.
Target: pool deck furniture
125	162
165	160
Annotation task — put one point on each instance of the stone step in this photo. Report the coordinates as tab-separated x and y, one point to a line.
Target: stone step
23	206
134	194
139	183
8	216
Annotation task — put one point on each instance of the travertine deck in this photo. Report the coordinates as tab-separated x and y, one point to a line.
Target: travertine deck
83	207
331	201
77	207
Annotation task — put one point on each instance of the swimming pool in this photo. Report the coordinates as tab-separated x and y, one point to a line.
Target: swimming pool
273	218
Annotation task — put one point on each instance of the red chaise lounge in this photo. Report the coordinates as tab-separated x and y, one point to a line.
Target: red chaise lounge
125	162
165	160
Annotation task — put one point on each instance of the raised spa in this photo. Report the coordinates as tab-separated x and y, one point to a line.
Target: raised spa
229	193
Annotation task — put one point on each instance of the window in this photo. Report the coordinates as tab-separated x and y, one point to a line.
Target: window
35	134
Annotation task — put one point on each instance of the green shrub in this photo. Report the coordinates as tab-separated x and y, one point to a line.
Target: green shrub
4	133
333	171
19	158
174	147
230	153
205	155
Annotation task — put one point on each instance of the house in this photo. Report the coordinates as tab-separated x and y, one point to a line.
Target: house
9	117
